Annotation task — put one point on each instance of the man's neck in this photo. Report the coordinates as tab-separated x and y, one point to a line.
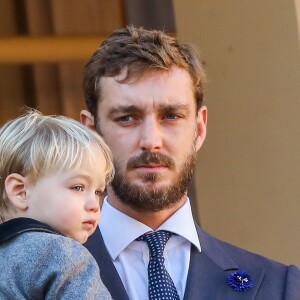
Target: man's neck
153	219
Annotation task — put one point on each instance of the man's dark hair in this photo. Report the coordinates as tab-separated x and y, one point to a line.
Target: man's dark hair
133	51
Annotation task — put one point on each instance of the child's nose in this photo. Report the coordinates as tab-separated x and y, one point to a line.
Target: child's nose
92	203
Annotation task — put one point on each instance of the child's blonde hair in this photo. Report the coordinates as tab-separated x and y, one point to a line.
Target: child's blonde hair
35	145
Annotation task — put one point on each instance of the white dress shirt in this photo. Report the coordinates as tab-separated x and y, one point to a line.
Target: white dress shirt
131	257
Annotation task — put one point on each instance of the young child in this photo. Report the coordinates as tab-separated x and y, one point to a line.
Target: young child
53	171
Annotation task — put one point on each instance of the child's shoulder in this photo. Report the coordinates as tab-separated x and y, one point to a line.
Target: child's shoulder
41	263
36	262
47	246
44	250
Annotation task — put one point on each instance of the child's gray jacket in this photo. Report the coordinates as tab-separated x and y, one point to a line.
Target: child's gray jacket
37	262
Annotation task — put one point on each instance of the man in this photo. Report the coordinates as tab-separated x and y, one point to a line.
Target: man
144	94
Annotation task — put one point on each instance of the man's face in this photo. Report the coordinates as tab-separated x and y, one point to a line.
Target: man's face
153	130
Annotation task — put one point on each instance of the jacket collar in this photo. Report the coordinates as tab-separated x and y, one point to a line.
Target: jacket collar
108	272
14	227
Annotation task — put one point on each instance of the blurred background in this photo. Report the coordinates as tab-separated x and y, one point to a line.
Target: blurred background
246	188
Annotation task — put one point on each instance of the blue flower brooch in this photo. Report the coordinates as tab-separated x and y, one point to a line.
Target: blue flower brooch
240	281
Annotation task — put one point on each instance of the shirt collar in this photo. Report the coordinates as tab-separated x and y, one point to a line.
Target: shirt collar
114	223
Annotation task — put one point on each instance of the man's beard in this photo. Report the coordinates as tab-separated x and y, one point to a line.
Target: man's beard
154	199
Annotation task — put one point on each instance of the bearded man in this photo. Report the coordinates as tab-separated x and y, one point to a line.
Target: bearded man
144	95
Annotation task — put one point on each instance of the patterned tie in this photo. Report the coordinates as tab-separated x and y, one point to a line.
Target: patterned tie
161	285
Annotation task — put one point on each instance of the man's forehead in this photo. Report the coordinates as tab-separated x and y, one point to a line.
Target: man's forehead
159	90
157	75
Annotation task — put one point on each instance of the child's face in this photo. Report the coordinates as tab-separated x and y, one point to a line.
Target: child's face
70	201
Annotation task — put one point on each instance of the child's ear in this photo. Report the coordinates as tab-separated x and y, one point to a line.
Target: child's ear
15	187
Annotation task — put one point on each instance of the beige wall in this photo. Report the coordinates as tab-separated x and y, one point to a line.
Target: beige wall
248	172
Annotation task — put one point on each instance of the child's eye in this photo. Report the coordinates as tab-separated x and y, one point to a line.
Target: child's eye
99	193
78	188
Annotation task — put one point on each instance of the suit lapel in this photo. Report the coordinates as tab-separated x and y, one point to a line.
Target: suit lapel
108	272
207	277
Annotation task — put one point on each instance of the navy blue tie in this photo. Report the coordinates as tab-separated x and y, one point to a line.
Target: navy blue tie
161	285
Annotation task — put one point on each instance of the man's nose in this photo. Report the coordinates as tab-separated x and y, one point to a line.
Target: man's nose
151	135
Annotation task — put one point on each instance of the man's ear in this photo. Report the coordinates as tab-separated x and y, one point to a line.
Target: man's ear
87	119
15	187
201	126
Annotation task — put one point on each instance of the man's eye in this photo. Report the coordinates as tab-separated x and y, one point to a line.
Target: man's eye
78	188
171	116
125	119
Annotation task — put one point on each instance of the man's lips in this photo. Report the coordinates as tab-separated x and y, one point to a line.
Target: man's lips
150	168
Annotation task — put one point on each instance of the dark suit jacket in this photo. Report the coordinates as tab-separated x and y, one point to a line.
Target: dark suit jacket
208	272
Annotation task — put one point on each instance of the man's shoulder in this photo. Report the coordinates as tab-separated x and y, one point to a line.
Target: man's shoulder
273	272
212	245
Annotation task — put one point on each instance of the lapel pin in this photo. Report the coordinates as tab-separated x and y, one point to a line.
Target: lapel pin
240	281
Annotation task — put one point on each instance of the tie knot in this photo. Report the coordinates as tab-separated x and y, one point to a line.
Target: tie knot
156	241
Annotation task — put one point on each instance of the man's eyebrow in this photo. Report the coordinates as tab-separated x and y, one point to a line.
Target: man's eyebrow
174	107
124	109
134	109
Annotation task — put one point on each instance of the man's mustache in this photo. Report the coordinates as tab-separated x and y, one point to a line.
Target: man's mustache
147	158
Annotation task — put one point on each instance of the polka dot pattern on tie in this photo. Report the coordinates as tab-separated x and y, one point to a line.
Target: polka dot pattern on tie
161	286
